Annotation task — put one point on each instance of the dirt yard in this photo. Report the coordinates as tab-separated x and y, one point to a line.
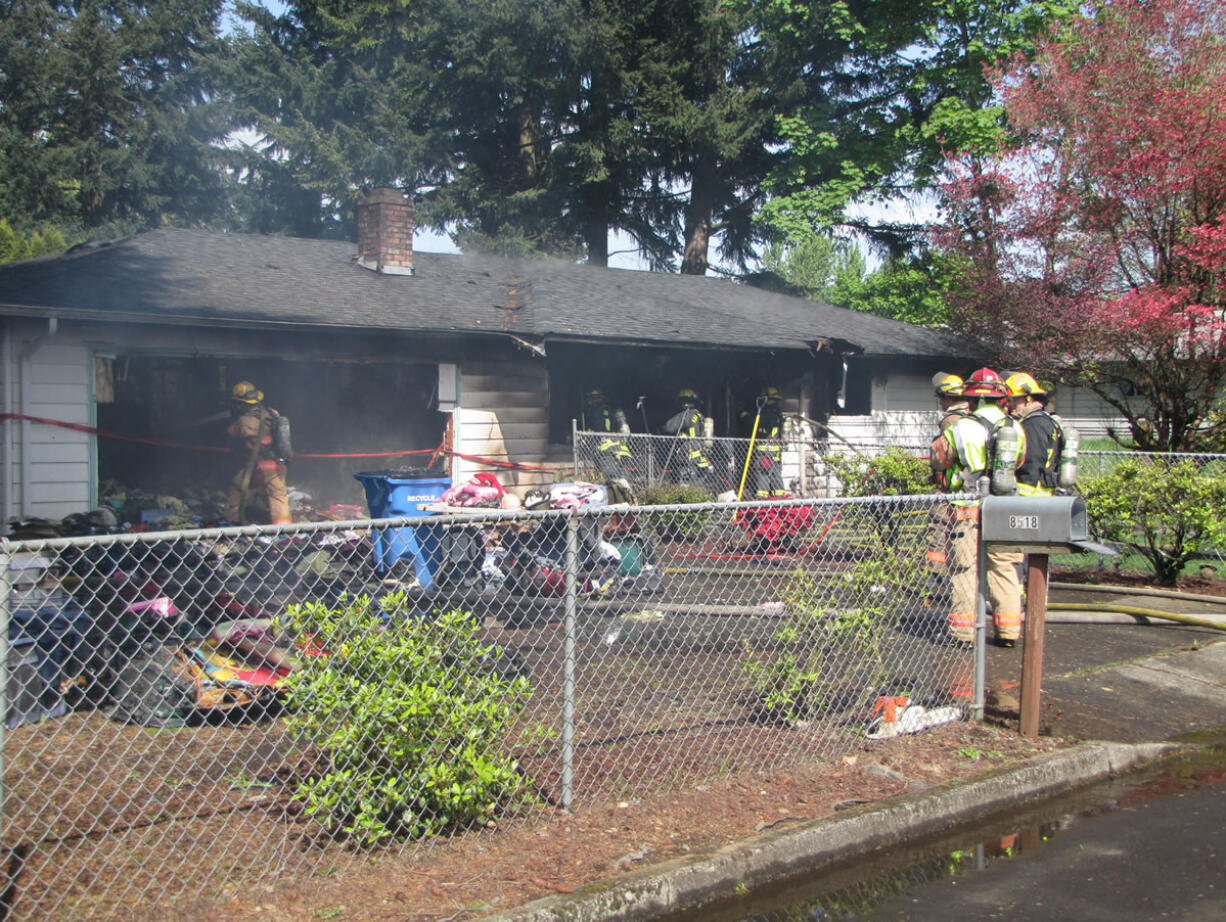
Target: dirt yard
226	829
475	875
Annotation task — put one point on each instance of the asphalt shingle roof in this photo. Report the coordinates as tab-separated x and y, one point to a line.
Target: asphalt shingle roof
200	276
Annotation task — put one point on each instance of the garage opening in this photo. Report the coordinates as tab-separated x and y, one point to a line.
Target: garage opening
338	408
645	383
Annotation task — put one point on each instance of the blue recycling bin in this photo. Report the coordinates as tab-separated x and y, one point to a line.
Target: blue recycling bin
405	493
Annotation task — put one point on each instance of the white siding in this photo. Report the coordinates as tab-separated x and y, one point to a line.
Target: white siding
903	428
10	467
906	393
53	466
503	415
1092	415
904	413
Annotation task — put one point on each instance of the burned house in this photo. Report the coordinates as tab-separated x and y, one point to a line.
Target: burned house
117	359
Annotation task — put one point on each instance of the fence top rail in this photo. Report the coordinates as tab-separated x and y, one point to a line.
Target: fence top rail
793	435
1189	455
477	514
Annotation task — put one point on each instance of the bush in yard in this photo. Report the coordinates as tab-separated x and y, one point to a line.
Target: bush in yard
1167	515
894	472
830	654
406	714
680	525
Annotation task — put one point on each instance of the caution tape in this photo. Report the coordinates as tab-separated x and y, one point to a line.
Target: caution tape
298	455
112	434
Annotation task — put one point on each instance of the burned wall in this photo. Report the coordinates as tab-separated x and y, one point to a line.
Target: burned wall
337	408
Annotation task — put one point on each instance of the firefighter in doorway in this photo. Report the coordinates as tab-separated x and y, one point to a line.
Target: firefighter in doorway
766	466
613	455
251	433
688	426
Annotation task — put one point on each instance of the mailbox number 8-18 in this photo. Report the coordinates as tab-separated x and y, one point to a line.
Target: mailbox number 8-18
1024	522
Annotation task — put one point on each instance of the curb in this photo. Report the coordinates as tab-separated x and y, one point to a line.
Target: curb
687	883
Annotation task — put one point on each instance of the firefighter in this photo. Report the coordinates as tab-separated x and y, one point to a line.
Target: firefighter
962	453
953	406
251	432
942	518
612	453
1039	471
687	426
951	400
766	466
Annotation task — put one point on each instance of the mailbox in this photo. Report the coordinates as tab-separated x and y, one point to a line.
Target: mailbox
1037	524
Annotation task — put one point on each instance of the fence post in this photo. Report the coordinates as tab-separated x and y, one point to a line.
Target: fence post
802	447
574	441
6	586
568	659
981	617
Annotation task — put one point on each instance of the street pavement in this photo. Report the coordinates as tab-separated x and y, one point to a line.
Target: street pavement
1126	690
1126	683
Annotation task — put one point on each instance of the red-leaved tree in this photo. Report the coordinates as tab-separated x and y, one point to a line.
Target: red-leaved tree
1095	238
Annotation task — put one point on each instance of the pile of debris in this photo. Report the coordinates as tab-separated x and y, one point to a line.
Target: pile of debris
140	510
124	508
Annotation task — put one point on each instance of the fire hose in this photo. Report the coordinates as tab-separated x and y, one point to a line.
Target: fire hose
1136	612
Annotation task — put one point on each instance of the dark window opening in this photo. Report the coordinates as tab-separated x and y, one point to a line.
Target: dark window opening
856	389
646	383
335	408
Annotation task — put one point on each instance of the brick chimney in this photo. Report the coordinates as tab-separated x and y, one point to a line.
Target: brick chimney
385	232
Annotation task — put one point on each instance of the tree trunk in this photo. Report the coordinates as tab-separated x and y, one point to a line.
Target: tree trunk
596	224
529	145
698	217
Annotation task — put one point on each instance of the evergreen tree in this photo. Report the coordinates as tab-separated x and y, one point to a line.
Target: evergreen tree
710	113
541	123
106	113
455	102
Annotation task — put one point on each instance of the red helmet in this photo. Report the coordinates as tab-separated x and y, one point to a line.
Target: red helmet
985	382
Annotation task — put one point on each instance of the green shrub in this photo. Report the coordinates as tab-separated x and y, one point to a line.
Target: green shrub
894	472
1167	515
829	644
676	526
407	715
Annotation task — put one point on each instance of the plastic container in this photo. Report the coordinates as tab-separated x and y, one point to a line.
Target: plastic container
633	555
405	493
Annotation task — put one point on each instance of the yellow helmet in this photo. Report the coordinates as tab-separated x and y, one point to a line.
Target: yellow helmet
947	385
688	394
246	392
595	395
771	392
1022	384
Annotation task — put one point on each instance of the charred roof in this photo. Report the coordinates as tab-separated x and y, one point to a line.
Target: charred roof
194	276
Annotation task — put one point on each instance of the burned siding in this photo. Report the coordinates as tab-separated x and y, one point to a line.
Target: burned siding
503	416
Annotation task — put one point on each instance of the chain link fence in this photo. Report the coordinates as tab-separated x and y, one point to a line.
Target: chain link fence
799	464
187	711
1171	474
1095	463
803	465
